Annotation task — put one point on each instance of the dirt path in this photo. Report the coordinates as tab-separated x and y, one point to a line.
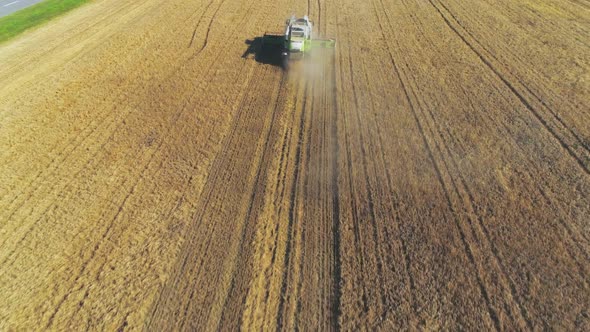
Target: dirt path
431	172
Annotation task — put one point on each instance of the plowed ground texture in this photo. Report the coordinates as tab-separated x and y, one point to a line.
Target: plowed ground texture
160	171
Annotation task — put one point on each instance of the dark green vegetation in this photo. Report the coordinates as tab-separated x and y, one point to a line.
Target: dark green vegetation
29	17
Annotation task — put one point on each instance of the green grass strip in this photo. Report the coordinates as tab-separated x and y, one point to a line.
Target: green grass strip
17	22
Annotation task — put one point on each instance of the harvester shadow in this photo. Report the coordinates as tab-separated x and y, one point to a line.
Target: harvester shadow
265	54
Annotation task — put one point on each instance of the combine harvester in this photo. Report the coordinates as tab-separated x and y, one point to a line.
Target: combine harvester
296	41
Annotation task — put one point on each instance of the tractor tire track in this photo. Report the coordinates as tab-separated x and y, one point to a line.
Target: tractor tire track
581	158
414	104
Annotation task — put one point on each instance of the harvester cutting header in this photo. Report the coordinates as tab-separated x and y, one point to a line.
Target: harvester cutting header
297	40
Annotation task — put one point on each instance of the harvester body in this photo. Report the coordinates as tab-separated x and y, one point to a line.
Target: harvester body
297	39
298	32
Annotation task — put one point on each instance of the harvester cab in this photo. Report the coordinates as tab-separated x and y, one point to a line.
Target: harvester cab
298	32
296	40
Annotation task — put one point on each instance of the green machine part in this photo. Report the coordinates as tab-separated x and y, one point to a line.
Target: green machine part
279	40
306	46
322	43
311	44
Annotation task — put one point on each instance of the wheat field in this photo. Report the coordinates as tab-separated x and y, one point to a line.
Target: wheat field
432	172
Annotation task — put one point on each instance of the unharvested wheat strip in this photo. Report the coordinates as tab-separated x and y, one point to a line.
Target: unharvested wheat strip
120	100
